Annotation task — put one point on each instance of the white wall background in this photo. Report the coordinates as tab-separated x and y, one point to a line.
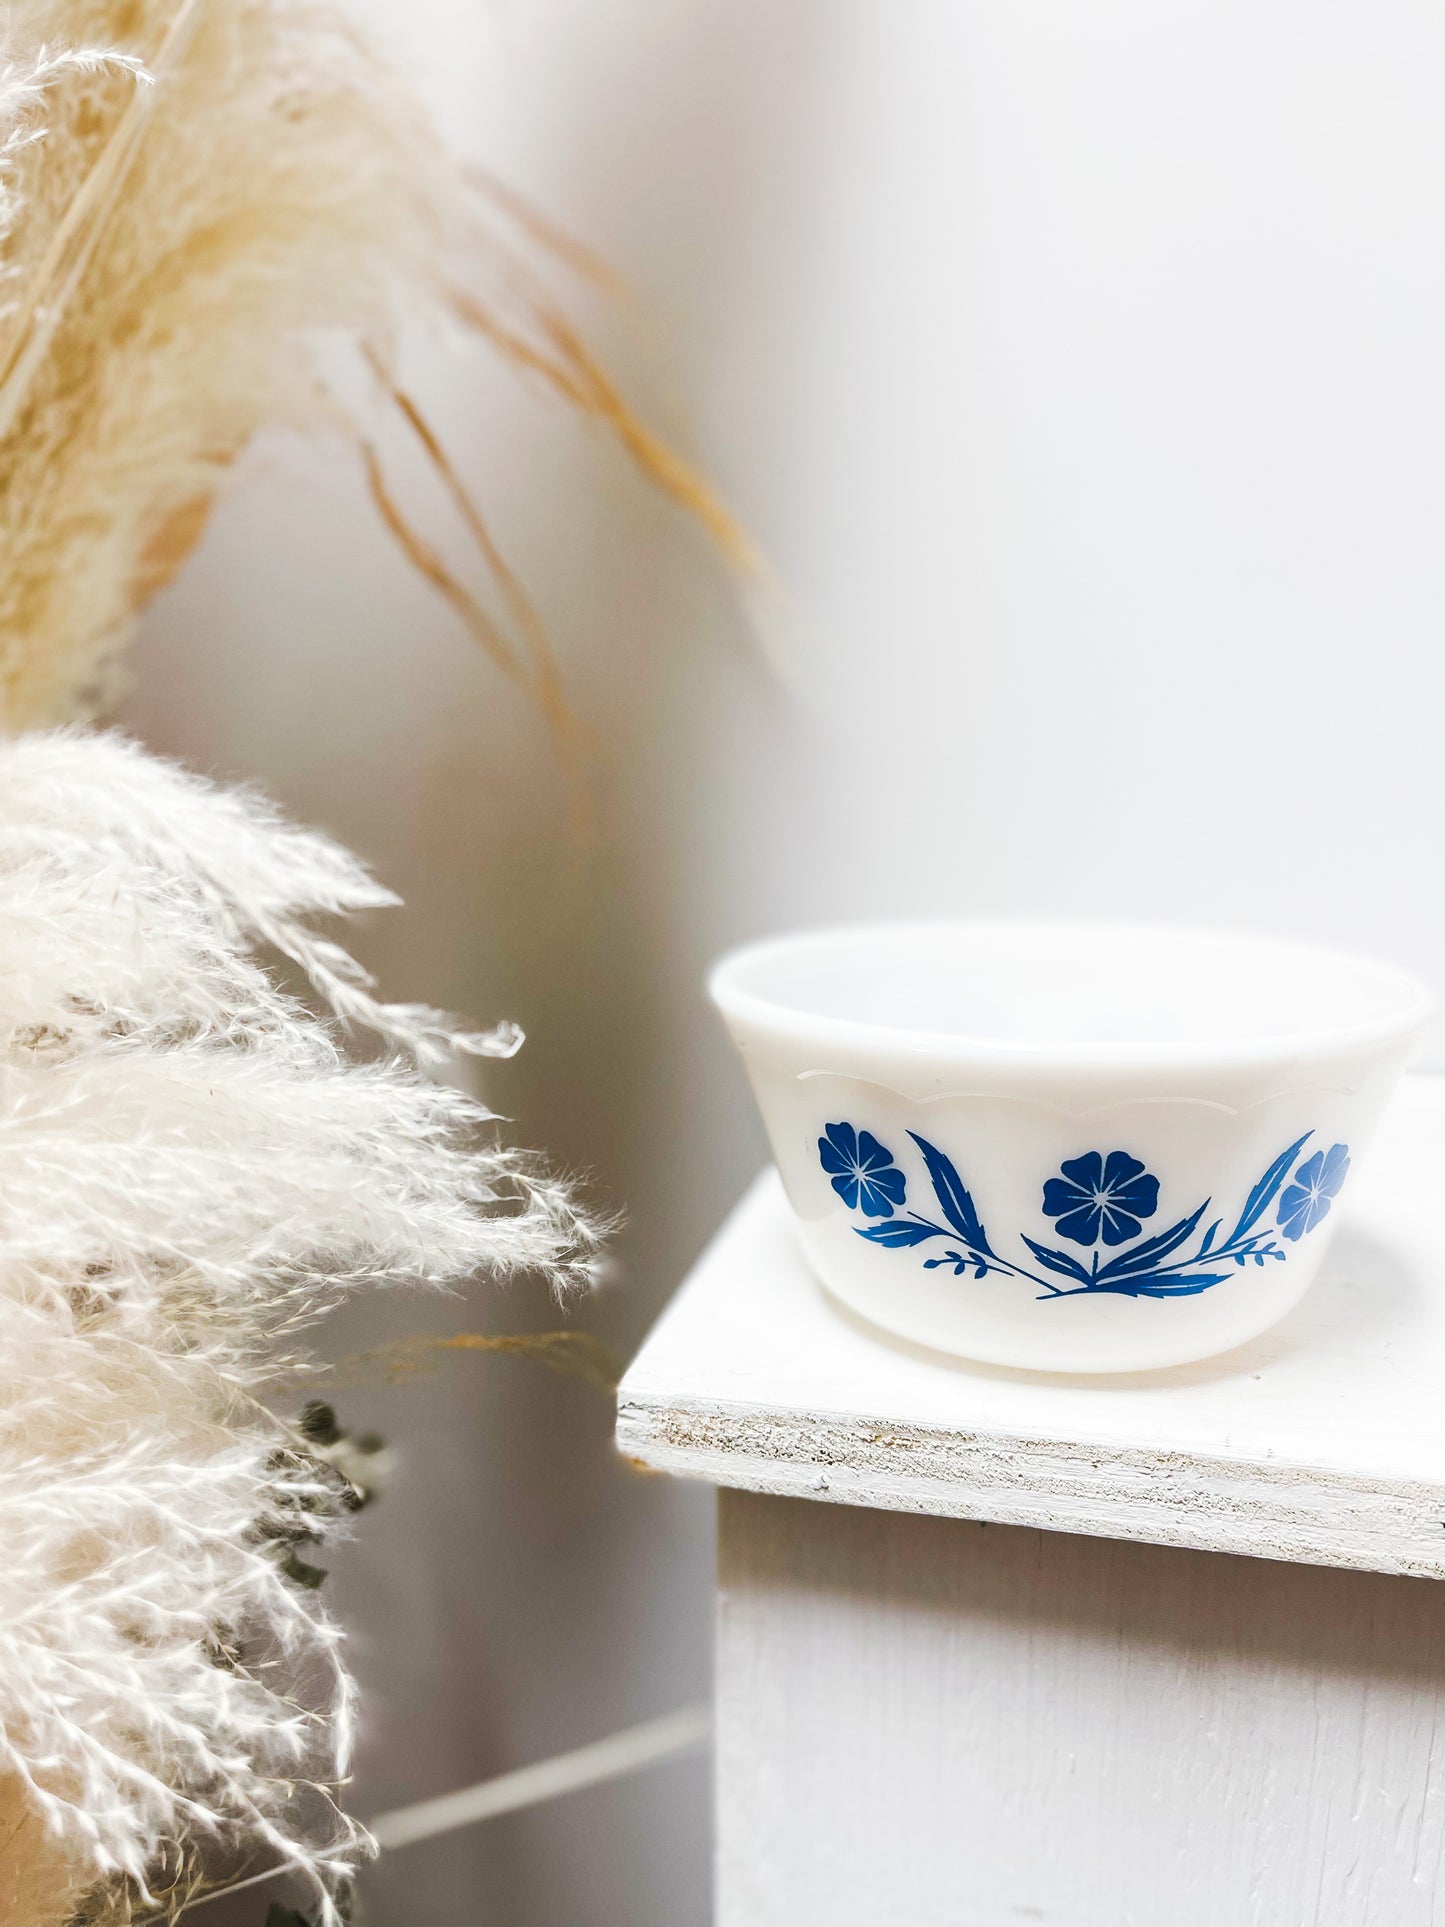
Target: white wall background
1082	368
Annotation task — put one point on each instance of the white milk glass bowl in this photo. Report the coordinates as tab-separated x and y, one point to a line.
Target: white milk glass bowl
1066	1147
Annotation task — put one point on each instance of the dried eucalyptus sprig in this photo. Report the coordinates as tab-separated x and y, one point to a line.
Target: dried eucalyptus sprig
194	1170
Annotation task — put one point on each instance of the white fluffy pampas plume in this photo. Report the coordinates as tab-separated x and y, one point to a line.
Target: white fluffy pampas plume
193	1170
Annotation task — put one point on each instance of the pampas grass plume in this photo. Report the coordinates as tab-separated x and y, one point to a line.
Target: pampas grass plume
195	1169
192	194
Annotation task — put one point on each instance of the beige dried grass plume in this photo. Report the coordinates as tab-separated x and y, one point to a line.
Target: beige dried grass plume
191	193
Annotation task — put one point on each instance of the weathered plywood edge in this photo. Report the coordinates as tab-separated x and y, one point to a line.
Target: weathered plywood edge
1266	1510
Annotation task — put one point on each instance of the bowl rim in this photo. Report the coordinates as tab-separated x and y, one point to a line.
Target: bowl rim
797	1025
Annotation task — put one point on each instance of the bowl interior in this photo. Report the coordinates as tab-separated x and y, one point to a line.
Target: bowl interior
1051	986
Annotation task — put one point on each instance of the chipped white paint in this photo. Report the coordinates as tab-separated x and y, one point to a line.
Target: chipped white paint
1320	1442
928	1723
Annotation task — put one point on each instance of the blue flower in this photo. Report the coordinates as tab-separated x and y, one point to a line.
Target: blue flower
1101	1197
863	1172
1316	1182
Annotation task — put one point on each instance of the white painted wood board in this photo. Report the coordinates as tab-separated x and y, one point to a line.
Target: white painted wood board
927	1723
1323	1441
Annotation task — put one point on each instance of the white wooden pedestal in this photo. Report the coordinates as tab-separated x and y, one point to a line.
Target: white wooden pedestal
1158	1651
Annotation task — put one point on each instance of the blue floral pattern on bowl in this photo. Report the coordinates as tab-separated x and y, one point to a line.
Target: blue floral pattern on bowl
1098	1201
863	1173
1100	1195
1316	1185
